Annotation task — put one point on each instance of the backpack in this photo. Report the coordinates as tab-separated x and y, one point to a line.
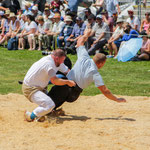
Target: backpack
12	43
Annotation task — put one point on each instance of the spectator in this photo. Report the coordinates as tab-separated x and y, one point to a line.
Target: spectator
58	25
108	20
41	33
145	22
87	12
28	33
133	21
101	35
115	39
13	29
13	5
40	4
145	50
46	14
36	12
27	6
65	32
78	30
111	7
2	21
99	5
55	4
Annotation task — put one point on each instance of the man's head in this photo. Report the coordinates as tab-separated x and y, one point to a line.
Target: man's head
99	19
91	19
127	28
79	21
57	17
130	13
47	11
34	10
87	11
68	20
59	56
99	60
120	22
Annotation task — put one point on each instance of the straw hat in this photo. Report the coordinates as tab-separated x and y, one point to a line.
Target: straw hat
12	15
28	4
119	20
68	18
7	12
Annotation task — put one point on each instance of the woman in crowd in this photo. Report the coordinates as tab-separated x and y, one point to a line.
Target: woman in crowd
28	33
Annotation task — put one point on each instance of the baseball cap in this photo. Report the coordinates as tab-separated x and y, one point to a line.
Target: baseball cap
78	18
68	18
87	9
99	16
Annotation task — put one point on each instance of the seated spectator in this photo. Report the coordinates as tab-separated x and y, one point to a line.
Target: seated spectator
47	14
99	5
13	29
101	35
26	10
78	30
65	32
55	4
133	21
28	33
22	21
2	21
145	22
41	33
36	12
115	38
145	50
108	20
57	27
87	12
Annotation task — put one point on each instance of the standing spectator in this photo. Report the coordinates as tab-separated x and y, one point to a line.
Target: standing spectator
78	30
111	7
13	5
55	4
65	32
101	35
145	22
40	4
133	21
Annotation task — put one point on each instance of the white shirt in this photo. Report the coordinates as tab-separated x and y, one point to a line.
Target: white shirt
42	28
133	22
30	26
118	31
41	71
58	26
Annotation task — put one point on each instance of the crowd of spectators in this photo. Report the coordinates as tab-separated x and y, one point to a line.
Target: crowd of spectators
41	26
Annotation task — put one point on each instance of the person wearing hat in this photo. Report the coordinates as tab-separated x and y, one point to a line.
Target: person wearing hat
133	20
87	12
41	33
78	30
145	49
145	22
57	27
65	32
14	28
115	40
101	35
26	10
36	12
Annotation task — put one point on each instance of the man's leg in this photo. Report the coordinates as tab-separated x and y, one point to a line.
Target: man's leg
45	103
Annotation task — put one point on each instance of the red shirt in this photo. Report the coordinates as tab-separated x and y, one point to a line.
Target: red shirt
55	4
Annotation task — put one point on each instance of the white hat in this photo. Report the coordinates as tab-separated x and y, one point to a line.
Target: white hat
99	16
119	20
34	8
12	15
68	18
1	13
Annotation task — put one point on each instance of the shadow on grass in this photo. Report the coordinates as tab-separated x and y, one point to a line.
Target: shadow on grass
116	118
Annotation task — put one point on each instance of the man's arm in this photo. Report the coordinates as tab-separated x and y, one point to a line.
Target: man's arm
109	95
58	81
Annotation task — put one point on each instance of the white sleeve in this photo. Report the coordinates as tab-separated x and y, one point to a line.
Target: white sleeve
33	25
60	26
63	68
136	21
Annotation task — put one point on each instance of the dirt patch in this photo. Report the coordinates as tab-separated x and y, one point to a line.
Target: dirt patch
91	123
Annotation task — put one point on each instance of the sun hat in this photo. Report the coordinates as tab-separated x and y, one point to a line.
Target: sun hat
68	18
12	15
119	20
99	16
34	8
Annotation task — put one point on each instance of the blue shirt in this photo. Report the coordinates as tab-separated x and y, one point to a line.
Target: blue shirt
132	34
78	30
85	71
73	4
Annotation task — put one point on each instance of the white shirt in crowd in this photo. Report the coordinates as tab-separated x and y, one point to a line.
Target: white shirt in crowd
133	22
118	31
42	28
41	71
58	26
30	26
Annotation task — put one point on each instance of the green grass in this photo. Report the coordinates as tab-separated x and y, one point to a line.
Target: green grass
130	78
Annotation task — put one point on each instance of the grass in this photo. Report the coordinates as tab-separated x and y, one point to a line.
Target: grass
130	78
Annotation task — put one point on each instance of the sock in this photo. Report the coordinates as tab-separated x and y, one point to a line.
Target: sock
33	116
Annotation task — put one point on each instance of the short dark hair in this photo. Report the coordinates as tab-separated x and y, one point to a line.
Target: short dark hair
59	53
99	58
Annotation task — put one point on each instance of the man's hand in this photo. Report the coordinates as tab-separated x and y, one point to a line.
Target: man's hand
71	83
121	100
61	37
